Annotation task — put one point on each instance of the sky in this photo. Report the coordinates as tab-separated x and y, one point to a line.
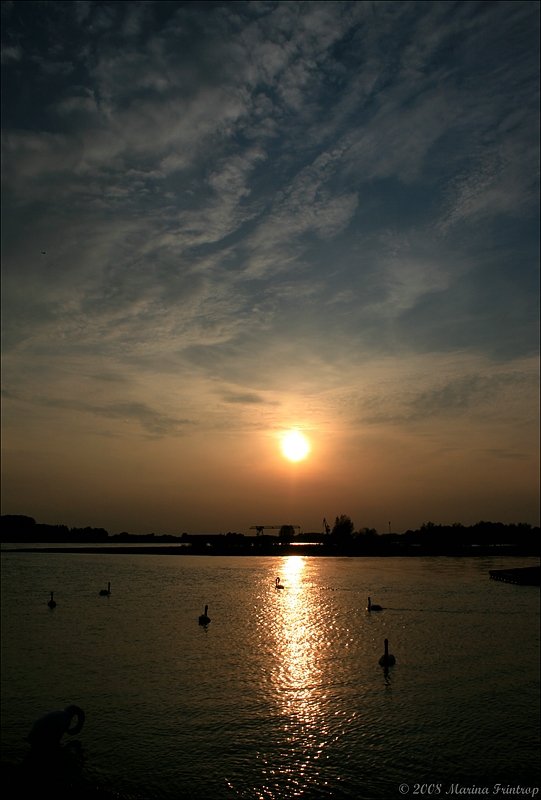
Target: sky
225	221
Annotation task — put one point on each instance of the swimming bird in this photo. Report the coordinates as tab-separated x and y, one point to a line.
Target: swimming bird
52	602
106	592
203	618
373	606
278	584
48	730
387	659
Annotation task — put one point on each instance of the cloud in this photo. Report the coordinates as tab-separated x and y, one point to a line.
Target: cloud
11	53
249	398
154	422
485	395
499	183
298	180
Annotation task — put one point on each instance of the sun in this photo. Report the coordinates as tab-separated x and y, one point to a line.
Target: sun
295	446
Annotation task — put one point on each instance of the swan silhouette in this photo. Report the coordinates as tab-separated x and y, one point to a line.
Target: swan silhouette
47	731
203	618
278	584
373	606
387	659
52	602
106	592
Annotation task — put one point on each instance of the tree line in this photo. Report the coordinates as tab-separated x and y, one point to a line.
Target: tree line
340	539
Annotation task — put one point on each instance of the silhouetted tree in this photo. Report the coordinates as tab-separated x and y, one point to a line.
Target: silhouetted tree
368	532
17	528
17	521
342	529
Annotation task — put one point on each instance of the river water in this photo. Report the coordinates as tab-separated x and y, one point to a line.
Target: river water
281	695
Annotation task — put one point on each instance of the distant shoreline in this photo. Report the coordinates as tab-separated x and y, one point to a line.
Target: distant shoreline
23	534
317	551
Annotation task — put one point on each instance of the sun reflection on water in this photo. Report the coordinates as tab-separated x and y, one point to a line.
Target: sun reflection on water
297	668
297	680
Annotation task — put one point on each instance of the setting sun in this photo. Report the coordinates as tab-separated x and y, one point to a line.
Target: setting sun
295	445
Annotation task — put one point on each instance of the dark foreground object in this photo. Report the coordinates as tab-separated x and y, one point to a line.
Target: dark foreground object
525	576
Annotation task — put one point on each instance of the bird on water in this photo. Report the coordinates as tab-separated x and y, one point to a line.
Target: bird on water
373	606
278	584
387	659
106	592
52	601
204	619
48	730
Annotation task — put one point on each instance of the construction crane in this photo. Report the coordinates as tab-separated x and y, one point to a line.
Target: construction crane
261	528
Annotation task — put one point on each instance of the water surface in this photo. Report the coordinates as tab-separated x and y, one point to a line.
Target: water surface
281	696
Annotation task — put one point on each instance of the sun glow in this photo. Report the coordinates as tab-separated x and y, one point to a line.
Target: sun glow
295	445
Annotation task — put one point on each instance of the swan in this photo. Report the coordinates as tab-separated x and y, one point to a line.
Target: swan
106	592
203	618
48	730
373	606
387	659
52	602
278	584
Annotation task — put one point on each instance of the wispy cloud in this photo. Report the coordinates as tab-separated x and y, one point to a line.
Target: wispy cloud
150	420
